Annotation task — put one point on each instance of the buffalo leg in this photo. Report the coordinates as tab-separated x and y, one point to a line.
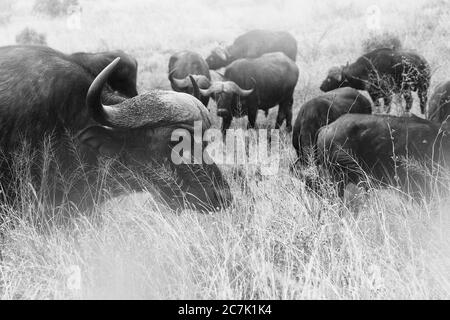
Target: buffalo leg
288	112
226	122
423	97
252	113
387	104
376	103
283	114
280	118
409	100
345	169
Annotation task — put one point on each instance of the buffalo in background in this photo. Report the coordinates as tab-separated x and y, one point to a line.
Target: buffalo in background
252	84
382	73
253	44
384	149
321	111
43	92
185	63
439	105
124	77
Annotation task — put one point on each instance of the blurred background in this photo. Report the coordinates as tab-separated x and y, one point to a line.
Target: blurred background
328	32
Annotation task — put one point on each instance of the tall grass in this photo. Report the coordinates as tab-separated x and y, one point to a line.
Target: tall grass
277	240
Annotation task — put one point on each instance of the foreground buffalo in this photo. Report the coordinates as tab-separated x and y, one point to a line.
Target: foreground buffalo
185	63
439	106
321	111
252	84
254	44
385	149
123	79
382	73
43	93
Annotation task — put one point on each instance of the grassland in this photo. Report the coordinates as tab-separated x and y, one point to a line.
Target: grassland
276	241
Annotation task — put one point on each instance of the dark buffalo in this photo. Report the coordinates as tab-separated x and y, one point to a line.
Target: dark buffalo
185	63
252	84
439	105
321	111
123	80
44	93
382	73
383	148
254	44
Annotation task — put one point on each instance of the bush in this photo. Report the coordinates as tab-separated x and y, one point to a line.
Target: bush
383	40
31	36
53	8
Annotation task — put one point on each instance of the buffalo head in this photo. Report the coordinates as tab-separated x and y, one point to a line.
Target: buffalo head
124	77
138	131
186	84
334	80
227	95
218	58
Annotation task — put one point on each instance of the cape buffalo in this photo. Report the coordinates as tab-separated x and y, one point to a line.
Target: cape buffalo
439	105
321	111
185	63
382	73
254	44
123	80
252	84
384	148
44	93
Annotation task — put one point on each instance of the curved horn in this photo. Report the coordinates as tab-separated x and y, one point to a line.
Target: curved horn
152	109
202	80
205	92
232	86
195	86
181	83
216	87
100	113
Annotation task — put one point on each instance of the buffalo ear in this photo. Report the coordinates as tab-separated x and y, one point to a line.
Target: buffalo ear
221	53
101	139
336	74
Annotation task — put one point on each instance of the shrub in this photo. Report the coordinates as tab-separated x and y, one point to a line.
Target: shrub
383	40
31	36
53	8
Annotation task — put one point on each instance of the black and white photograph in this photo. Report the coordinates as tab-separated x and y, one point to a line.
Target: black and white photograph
226	150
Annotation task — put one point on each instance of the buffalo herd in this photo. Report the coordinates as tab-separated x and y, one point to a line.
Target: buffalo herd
91	100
